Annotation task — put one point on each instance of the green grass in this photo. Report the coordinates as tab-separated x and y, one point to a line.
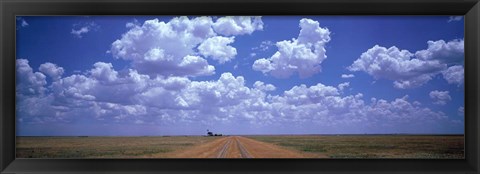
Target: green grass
378	146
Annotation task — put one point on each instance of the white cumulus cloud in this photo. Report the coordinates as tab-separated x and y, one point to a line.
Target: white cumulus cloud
263	87
454	74
170	48
51	70
104	72
238	25
218	49
406	69
451	52
440	97
104	94
302	55
29	82
166	48
344	85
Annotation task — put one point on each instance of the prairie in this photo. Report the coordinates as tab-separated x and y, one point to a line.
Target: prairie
373	146
265	146
104	147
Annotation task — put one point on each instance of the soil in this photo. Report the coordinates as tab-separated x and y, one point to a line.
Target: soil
237	147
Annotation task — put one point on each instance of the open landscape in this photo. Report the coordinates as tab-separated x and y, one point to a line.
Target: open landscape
261	86
265	146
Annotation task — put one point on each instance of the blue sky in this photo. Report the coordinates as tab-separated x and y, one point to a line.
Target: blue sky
166	75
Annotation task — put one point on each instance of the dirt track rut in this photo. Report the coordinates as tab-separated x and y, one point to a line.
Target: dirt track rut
237	147
223	152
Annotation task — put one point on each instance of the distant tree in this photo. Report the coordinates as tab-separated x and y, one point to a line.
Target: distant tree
209	133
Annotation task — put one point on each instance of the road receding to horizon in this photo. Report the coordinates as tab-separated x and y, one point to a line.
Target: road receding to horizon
237	147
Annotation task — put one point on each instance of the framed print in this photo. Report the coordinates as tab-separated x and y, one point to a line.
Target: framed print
251	86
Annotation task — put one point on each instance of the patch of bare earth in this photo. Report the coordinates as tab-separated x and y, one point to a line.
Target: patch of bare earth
233	151
237	147
208	150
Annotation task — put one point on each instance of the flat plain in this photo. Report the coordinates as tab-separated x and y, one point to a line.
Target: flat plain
104	147
265	146
374	146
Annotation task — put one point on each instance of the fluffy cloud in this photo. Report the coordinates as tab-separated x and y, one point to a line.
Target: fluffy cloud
158	87
104	94
303	54
180	93
440	97
237	25
227	91
218	49
104	72
75	87
342	86
100	95
454	74
29	82
394	64
400	110
409	70
170	48
325	106
446	52
166	49
263	87
302	94
346	76
51	70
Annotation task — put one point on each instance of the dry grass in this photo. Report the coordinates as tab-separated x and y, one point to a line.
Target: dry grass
103	147
391	146
368	146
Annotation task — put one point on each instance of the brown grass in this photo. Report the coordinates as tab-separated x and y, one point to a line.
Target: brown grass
259	149
204	150
368	146
381	146
103	147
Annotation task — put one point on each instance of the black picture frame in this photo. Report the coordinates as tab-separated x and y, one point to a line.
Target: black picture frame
10	8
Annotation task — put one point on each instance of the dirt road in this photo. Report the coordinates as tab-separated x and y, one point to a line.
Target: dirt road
237	147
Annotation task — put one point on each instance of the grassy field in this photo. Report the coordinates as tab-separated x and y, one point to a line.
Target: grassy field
381	146
365	146
104	147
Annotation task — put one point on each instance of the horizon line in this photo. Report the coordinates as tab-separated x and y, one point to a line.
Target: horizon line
414	134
